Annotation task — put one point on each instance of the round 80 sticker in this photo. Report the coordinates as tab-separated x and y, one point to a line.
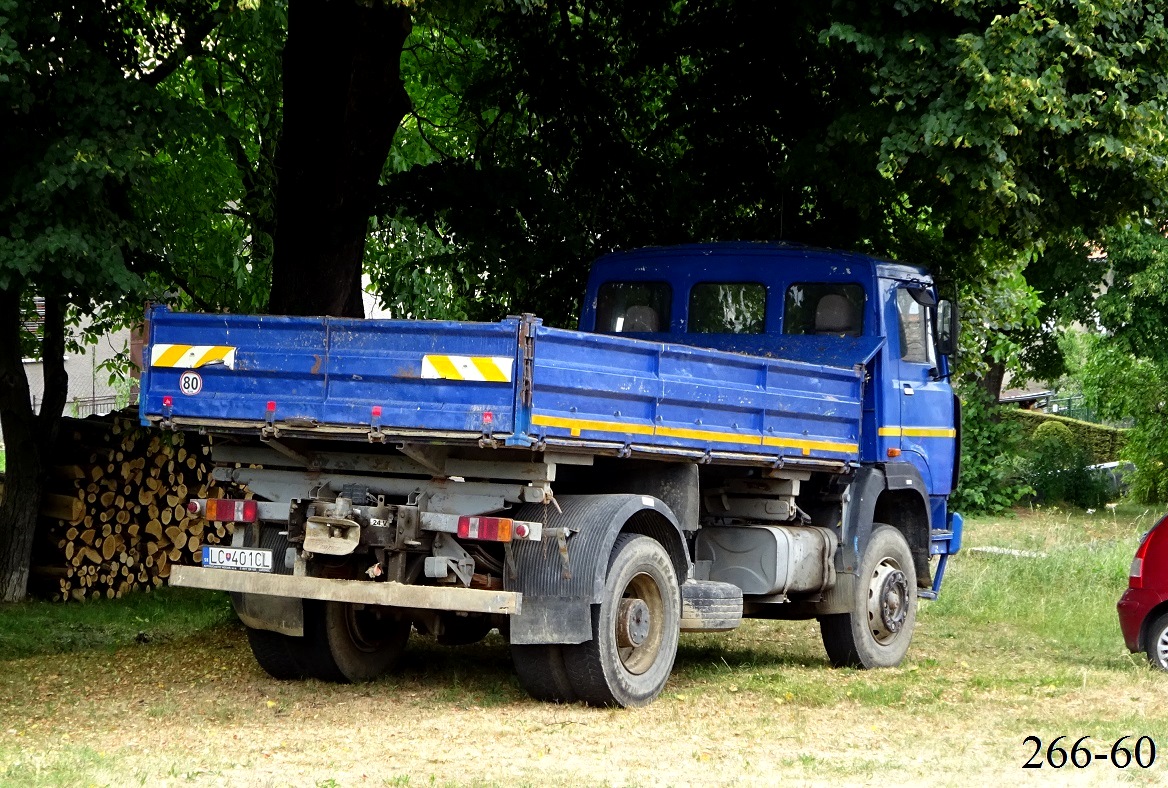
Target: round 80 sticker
190	383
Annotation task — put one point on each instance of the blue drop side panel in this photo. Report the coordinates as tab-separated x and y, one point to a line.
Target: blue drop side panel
617	389
334	371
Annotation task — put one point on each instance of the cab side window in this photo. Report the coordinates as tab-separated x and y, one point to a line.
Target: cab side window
916	339
633	307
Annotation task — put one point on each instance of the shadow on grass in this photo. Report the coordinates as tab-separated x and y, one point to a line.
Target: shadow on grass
38	628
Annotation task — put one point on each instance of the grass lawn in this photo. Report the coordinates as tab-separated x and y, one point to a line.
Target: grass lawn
161	689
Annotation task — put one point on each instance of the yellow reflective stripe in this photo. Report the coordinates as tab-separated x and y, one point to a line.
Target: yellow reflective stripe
574	426
708	435
807	446
170	356
917	432
930	432
489	369
444	367
216	353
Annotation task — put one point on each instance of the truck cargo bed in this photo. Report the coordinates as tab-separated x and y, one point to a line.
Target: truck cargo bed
513	383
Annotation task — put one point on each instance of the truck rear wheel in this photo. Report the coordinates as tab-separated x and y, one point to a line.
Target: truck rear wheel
877	632
635	628
282	657
352	643
542	672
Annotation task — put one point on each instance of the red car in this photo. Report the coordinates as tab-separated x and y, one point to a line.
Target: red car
1143	608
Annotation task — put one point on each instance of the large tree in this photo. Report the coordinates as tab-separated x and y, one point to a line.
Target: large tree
82	117
969	136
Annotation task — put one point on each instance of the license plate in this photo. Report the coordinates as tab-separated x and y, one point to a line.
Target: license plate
242	558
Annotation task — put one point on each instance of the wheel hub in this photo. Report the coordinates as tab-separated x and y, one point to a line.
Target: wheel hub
632	623
888	602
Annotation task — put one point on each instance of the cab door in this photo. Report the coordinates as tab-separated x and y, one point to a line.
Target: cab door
927	432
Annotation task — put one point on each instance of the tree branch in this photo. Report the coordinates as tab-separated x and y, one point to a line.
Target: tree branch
192	42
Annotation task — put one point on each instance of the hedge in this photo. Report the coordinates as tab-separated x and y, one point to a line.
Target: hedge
1103	442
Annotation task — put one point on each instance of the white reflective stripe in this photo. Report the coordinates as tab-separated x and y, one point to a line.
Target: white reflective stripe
495	369
191	356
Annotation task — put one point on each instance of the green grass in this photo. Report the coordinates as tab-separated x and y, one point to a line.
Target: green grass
38	628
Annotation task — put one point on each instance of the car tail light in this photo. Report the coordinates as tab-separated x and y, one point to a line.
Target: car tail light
491	529
1136	573
225	510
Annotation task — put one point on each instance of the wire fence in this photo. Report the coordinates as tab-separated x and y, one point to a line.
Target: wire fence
80	407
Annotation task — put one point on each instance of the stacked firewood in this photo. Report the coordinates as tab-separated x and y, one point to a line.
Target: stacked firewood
114	517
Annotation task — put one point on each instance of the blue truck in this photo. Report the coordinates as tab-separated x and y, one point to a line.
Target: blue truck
735	430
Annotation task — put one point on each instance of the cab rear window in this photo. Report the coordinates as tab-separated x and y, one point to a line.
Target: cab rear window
727	308
633	307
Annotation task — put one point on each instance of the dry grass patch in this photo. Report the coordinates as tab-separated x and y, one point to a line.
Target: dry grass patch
1015	647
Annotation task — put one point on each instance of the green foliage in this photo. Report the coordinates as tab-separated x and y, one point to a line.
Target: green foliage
1125	375
1056	465
1125	386
1103	443
991	469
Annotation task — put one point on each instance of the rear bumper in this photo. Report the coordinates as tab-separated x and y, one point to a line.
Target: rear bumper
470	600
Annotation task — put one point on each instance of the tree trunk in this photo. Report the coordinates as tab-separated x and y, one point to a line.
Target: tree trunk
343	102
994	377
26	435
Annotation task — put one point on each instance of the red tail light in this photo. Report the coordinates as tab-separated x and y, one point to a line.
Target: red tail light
1136	573
224	510
491	529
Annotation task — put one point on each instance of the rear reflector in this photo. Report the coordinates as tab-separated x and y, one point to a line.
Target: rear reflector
491	529
224	510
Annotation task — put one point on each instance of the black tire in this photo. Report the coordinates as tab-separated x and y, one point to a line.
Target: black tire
352	643
635	628
282	657
1157	643
542	672
877	633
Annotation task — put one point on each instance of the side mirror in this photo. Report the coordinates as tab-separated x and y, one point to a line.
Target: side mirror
947	323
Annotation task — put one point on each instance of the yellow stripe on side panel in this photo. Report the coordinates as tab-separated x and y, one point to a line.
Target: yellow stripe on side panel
574	426
807	446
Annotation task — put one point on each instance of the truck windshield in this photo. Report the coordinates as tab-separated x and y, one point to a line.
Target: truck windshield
633	307
824	308
727	308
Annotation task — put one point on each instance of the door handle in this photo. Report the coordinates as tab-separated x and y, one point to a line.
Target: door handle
908	390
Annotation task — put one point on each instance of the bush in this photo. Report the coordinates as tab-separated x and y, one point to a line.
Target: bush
1057	468
1104	444
991	465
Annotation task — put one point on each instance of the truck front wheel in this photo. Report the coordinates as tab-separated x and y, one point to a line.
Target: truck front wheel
634	629
876	633
351	643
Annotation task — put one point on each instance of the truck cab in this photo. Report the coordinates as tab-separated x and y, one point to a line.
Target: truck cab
818	306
